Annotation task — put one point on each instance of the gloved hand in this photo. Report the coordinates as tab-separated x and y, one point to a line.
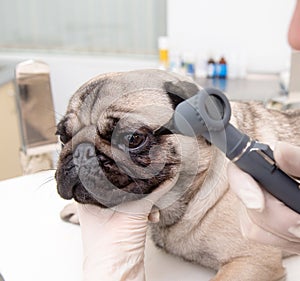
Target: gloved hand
114	239
266	219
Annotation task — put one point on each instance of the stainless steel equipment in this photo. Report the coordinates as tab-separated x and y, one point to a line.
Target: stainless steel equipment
27	120
35	106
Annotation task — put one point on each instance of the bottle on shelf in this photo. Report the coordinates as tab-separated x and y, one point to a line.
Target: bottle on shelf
175	61
211	68
222	68
189	64
163	51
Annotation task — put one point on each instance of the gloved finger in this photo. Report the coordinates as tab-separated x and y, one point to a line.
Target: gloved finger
154	215
255	232
245	187
287	157
277	218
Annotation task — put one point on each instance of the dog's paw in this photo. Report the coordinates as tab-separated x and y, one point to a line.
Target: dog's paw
69	213
249	269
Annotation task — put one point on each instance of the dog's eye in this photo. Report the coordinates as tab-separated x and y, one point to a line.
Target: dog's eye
61	132
63	139
135	140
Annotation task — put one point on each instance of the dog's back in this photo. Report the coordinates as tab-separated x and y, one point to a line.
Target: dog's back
267	125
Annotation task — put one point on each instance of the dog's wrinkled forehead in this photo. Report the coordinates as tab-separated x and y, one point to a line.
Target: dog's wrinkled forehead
147	96
115	85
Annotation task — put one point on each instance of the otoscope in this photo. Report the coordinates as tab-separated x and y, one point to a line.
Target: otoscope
207	114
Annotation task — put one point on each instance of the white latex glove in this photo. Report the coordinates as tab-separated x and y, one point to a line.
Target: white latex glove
114	239
267	220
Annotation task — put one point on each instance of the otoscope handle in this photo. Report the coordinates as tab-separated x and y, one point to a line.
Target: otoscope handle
258	161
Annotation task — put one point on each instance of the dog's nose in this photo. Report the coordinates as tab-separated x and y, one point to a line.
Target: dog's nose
83	154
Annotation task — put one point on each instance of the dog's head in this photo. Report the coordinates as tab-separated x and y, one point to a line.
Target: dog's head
111	152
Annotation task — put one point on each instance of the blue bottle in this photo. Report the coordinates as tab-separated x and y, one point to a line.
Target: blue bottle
222	68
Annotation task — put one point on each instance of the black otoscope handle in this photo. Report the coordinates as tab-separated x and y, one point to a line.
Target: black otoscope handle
207	114
265	171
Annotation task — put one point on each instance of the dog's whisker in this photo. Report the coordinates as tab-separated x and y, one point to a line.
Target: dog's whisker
46	181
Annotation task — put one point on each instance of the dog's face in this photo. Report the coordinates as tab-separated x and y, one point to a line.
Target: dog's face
111	152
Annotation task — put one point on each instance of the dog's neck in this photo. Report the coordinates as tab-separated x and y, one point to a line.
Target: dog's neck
212	189
207	187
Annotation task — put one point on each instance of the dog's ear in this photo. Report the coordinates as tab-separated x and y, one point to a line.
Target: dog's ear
180	90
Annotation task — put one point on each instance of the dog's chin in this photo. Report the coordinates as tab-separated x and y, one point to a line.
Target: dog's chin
108	200
80	195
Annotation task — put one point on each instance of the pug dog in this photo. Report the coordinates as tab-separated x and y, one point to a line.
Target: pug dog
113	152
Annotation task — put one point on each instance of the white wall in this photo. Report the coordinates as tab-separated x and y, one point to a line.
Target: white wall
68	73
253	31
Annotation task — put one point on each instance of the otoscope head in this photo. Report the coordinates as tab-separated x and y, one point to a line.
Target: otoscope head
207	111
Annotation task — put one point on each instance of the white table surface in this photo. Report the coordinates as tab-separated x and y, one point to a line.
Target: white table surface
35	245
